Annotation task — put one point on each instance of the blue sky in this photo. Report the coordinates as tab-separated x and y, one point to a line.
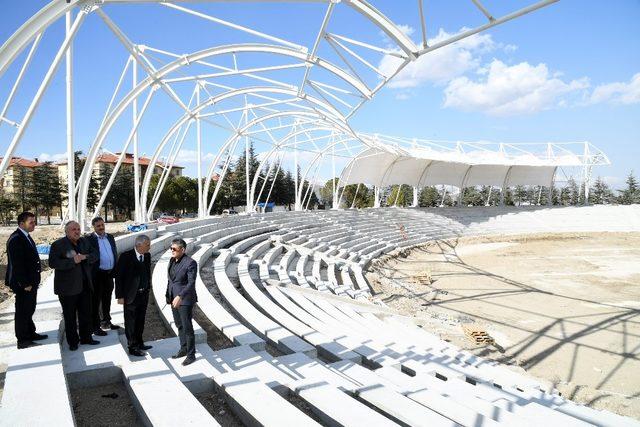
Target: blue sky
580	59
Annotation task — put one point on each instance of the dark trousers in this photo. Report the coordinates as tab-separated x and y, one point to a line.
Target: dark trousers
76	310
25	307
134	318
101	298
182	317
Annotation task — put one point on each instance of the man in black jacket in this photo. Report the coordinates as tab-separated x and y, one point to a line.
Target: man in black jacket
133	283
102	277
72	257
23	278
181	294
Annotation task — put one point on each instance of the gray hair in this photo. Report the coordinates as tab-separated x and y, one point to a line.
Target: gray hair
179	242
69	224
141	239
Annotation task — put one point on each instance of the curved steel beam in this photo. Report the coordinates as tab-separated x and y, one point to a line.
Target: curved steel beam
196	110
343	127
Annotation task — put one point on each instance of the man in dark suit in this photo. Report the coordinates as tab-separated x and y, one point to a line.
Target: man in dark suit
133	283
71	257
102	277
23	278
181	294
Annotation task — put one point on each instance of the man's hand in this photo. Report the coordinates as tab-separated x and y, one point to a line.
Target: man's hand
78	258
28	288
176	302
121	301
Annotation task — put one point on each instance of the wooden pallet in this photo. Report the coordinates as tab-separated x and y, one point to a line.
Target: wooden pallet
477	334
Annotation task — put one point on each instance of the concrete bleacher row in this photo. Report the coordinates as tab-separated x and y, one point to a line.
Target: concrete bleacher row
289	291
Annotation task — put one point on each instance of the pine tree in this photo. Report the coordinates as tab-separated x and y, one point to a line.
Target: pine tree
326	192
601	193
429	197
573	192
472	197
7	207
631	194
23	187
405	198
46	188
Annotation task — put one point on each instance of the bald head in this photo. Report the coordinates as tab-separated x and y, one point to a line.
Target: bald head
72	231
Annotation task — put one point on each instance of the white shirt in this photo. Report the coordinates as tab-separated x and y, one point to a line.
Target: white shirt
26	234
138	255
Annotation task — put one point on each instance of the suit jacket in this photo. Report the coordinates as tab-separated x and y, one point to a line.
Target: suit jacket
128	273
183	283
69	276
93	239
23	262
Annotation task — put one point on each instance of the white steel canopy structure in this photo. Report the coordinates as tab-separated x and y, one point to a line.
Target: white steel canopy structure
291	94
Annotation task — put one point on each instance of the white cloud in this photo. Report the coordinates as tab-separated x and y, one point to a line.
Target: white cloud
504	90
46	157
191	156
618	92
440	65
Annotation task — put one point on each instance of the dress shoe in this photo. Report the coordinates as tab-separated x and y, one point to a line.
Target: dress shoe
99	332
188	361
26	344
73	347
136	352
109	325
90	342
38	337
145	347
178	355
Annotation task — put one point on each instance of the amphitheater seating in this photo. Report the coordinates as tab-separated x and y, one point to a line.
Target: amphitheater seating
293	284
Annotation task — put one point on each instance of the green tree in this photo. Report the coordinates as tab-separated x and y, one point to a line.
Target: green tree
601	193
121	194
472	197
631	194
429	197
7	208
47	189
404	198
237	180
326	192
357	197
573	192
22	187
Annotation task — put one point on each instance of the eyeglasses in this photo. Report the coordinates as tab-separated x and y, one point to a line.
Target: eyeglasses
175	249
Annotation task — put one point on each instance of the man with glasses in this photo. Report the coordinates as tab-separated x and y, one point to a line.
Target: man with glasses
133	282
181	294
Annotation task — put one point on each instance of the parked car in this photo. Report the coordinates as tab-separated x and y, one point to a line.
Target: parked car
229	212
168	219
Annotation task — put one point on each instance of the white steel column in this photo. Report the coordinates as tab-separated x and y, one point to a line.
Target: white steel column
376	196
199	155
296	205
333	166
415	197
136	159
586	172
71	174
551	183
249	200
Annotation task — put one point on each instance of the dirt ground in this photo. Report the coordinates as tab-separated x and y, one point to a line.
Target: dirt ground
107	405
564	308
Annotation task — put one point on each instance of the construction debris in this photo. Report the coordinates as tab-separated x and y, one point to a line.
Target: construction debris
477	334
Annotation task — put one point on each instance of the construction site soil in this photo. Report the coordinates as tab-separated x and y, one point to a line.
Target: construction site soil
563	307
